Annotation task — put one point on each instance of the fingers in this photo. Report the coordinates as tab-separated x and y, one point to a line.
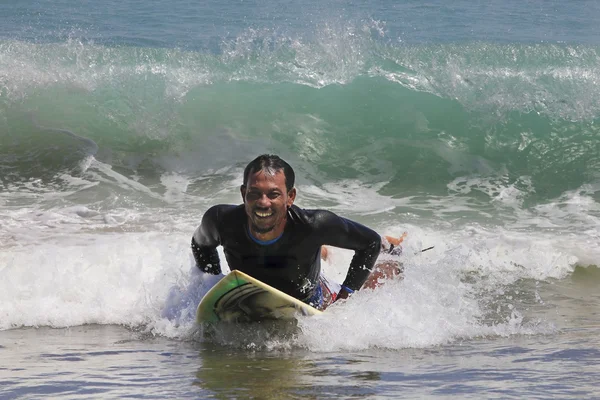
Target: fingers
396	241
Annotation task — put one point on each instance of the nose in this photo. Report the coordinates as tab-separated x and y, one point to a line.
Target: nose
264	201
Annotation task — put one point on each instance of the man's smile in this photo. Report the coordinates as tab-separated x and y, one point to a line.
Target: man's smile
263	214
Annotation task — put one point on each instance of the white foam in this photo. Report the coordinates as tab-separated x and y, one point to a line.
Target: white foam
415	312
112	279
148	279
176	186
498	188
104	173
432	305
77	264
350	196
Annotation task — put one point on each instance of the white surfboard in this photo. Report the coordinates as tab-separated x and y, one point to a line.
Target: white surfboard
240	298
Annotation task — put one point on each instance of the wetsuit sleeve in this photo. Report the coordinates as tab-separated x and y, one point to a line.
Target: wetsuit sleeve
346	234
205	241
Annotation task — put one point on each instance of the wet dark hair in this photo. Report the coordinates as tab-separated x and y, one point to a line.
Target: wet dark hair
271	164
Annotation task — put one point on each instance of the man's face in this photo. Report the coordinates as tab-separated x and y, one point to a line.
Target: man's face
266	201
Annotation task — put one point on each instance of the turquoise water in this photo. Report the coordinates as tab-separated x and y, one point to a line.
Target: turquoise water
473	127
416	107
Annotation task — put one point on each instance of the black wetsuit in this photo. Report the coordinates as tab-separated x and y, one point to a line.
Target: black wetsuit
292	263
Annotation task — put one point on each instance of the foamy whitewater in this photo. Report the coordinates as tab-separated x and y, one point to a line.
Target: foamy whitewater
116	135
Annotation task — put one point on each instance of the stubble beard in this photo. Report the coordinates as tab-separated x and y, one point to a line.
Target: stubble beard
262	231
267	229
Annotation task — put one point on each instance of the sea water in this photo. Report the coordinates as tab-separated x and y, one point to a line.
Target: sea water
473	127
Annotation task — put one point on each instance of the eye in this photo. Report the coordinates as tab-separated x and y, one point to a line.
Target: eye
253	195
274	195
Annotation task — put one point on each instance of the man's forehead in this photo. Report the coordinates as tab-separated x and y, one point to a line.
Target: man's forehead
276	177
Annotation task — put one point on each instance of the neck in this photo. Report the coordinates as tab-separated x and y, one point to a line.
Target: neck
267	236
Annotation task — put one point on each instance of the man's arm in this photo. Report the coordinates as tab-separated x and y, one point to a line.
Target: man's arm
347	234
205	241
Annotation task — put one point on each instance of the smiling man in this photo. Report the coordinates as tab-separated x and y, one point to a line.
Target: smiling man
271	239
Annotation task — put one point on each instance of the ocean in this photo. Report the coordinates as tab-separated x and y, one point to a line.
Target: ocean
472	126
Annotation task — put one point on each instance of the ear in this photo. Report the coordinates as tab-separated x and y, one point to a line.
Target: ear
291	197
243	192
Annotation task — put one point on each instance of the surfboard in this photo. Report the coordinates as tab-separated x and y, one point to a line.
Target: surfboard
238	297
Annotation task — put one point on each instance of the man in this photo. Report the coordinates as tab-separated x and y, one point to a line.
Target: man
271	239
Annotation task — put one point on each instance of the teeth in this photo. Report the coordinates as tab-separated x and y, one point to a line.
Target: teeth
263	214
